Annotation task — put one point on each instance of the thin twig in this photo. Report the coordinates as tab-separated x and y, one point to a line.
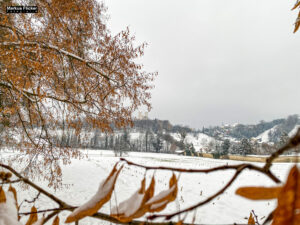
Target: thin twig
11	181
34	199
64	206
292	143
226	167
47	210
169	216
269	218
36	187
255	216
50	216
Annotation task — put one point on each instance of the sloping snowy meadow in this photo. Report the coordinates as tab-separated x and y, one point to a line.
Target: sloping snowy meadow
82	177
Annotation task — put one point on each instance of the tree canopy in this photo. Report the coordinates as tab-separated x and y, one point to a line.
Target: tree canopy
61	67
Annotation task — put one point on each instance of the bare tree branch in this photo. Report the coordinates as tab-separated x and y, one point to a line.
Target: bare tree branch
292	143
49	46
226	167
34	199
170	216
64	206
11	181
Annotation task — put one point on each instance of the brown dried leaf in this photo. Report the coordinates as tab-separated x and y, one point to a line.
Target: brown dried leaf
173	182
157	207
143	184
161	200
288	207
296	5
288	197
102	196
33	217
251	219
258	193
150	191
56	221
13	190
180	222
40	221
126	211
2	195
297	23
135	206
148	194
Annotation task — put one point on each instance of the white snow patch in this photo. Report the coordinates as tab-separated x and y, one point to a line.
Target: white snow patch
129	206
39	222
104	189
294	131
161	195
135	135
264	137
158	205
200	140
8	211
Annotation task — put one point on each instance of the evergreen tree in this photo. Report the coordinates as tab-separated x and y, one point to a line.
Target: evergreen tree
157	144
189	149
225	147
283	139
245	147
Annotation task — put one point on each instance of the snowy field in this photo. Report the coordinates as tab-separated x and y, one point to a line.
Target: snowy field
82	177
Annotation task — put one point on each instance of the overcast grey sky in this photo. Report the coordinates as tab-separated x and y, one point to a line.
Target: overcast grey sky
219	61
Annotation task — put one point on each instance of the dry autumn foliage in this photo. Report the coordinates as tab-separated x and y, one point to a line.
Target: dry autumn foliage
61	68
288	198
251	219
98	200
143	201
297	23
2	195
33	217
56	221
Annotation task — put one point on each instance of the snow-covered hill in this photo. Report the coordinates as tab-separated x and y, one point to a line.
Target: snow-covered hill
264	137
294	130
269	132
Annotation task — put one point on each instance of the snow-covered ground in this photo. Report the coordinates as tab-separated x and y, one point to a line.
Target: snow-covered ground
82	177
